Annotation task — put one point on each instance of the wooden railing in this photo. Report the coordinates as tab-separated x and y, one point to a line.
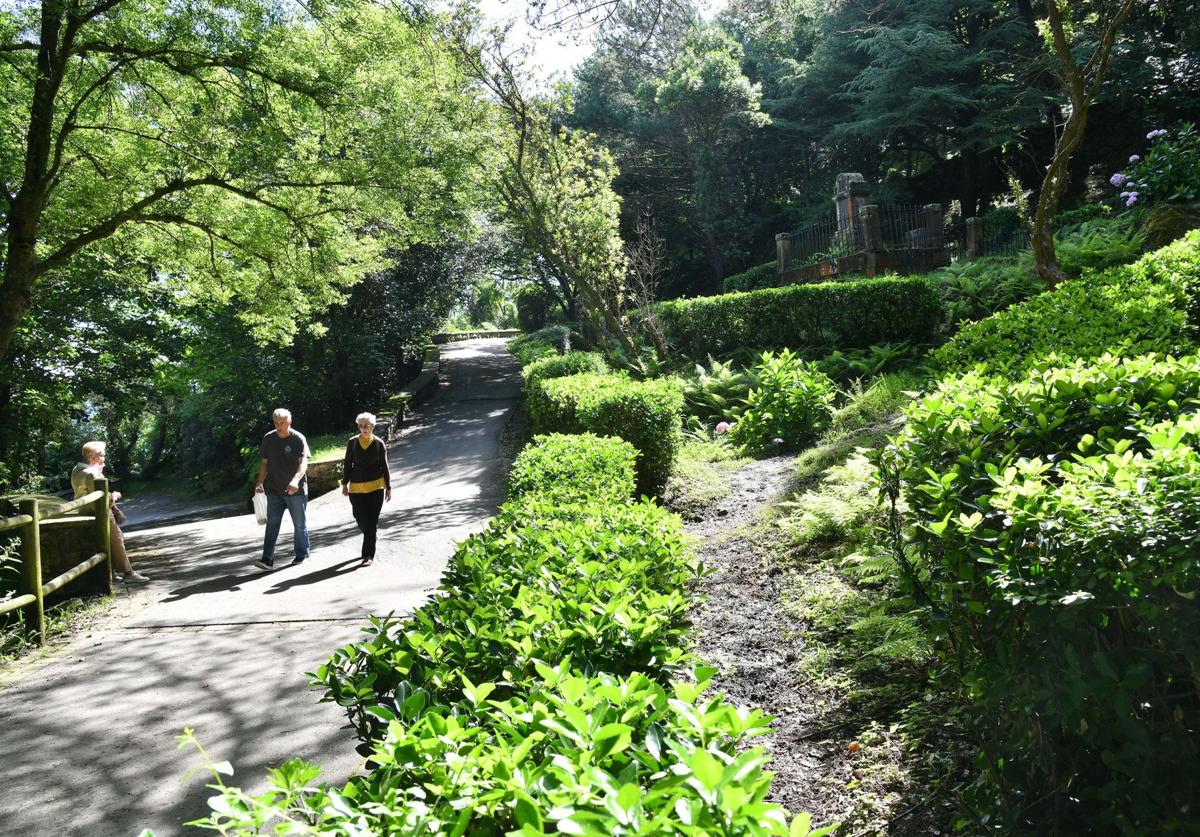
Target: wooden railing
29	522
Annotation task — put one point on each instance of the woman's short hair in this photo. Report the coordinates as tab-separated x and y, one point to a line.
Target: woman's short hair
281	413
91	449
365	417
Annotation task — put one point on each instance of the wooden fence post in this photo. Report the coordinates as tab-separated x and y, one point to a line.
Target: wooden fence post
104	532
31	570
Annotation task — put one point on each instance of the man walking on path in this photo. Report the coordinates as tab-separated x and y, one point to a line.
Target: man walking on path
281	474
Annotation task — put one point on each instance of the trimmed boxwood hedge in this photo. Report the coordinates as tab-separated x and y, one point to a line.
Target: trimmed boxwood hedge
575	469
647	414
558	366
839	314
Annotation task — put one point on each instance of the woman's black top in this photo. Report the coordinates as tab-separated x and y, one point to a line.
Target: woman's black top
366	465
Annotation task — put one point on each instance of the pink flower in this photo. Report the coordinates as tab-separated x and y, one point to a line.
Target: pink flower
722	428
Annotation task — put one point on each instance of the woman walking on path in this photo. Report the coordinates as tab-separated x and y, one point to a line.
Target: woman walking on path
83	481
367	481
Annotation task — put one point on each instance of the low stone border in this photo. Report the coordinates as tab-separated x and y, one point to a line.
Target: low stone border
391	415
453	337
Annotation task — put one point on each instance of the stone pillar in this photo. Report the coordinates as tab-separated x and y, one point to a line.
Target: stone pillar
935	231
872	238
974	236
850	196
783	252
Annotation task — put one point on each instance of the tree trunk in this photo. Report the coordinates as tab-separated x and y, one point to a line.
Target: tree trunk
1082	91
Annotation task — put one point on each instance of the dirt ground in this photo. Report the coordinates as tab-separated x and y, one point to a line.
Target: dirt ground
741	628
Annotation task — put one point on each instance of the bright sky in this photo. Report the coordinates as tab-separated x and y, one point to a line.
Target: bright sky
554	53
551	52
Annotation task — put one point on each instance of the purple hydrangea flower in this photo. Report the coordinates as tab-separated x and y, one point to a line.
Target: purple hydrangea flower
1156	133
1134	158
777	441
1132	199
1118	180
722	428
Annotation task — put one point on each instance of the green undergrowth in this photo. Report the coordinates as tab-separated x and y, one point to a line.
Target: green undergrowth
700	476
61	621
866	662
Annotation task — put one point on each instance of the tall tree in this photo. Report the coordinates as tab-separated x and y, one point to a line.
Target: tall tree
241	146
1082	84
555	184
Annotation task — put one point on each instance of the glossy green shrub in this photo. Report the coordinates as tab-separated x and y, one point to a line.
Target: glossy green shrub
602	584
556	407
575	469
647	414
836	314
765	275
557	366
1148	306
599	755
791	402
1056	534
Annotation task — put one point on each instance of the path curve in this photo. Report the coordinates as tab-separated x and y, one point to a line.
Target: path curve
88	734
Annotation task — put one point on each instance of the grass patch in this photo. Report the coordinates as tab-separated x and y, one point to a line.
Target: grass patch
61	620
327	446
700	477
864	420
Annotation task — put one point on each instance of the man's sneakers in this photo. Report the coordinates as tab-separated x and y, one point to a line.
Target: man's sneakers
133	577
298	560
264	565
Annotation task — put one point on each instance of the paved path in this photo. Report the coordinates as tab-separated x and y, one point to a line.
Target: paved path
87	736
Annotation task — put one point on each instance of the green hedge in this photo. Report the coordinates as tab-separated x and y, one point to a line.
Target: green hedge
575	469
1057	535
760	276
601	584
836	314
1149	306
558	366
647	414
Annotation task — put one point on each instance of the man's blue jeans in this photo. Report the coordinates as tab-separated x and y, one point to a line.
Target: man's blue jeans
296	505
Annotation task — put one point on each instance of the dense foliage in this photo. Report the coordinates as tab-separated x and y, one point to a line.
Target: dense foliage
574	469
834	314
1055	531
1147	306
760	276
647	414
790	403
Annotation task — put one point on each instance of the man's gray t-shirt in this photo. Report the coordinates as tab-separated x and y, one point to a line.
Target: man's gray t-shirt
283	460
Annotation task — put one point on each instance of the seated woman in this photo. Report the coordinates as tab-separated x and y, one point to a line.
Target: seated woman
83	481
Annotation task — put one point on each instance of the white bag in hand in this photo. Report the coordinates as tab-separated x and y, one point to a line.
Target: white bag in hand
260	507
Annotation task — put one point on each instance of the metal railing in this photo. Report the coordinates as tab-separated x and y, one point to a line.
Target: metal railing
29	522
828	239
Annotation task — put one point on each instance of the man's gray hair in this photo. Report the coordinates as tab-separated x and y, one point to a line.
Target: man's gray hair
281	413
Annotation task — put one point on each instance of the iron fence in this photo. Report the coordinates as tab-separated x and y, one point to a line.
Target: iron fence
822	241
